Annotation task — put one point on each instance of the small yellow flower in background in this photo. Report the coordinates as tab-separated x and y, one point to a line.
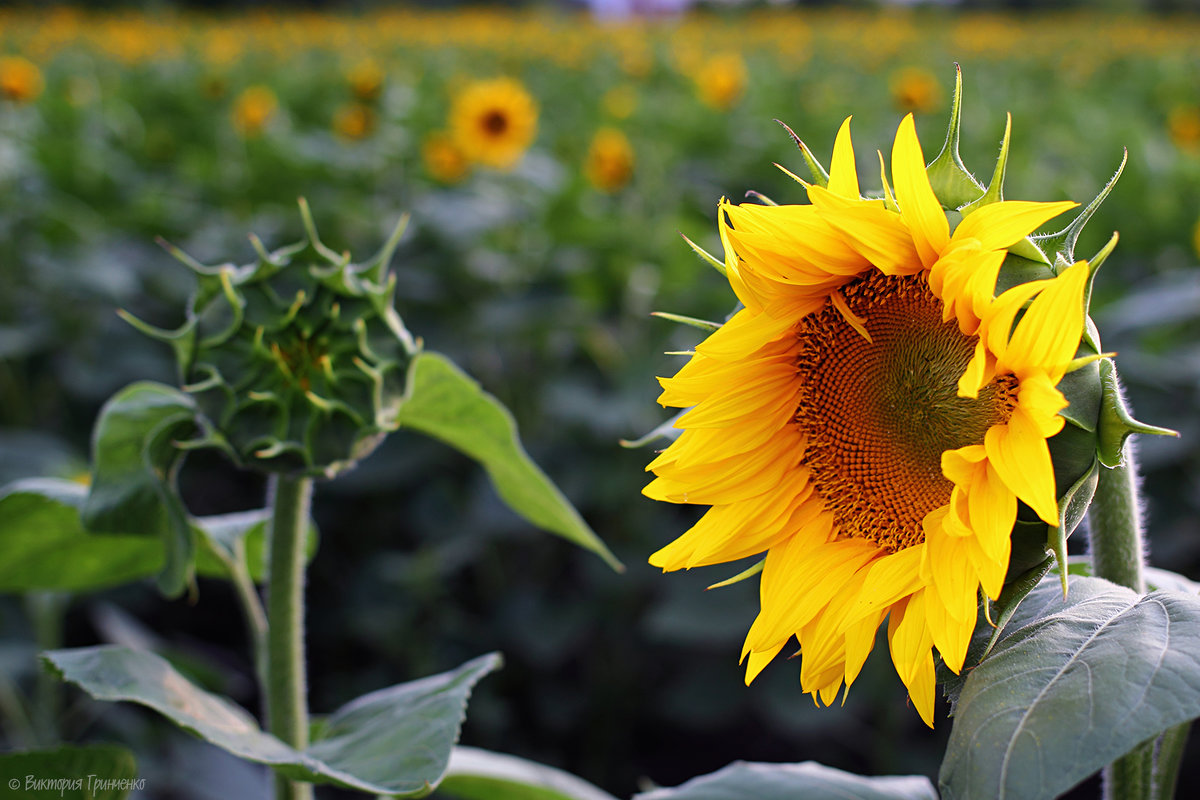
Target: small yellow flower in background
620	101
20	79
721	80
354	121
253	109
871	418
915	89
1183	126
609	160
366	81
443	159
493	122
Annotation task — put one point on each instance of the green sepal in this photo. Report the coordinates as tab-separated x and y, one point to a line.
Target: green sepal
708	257
820	176
1116	423
666	430
1063	242
702	324
749	572
995	190
1019	268
952	182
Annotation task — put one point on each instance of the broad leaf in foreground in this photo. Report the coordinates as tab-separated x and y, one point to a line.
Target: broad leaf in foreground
415	725
447	404
475	774
1071	685
809	780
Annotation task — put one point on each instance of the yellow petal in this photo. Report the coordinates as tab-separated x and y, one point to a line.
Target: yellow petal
920	207
756	661
1000	225
843	173
877	234
1022	460
1048	335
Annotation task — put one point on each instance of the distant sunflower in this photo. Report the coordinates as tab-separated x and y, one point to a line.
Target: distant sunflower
20	79
870	419
721	80
609	164
443	159
253	109
354	121
915	89
494	122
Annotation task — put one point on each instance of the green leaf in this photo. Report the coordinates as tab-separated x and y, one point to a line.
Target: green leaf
220	538
43	544
475	774
134	462
97	772
396	741
809	780
1070	686
447	404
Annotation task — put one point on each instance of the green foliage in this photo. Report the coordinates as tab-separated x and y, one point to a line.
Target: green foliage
95	772
447	404
134	465
475	774
808	780
1071	685
415	725
43	544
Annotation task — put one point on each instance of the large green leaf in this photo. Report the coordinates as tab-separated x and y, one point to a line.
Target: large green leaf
1071	685
475	774
97	772
134	461
809	780
43	544
447	404
396	741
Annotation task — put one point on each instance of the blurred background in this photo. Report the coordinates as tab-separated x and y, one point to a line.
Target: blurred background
550	156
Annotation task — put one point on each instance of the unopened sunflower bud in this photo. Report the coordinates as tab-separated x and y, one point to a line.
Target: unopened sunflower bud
297	361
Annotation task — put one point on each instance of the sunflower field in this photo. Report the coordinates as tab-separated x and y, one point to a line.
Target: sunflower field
543	164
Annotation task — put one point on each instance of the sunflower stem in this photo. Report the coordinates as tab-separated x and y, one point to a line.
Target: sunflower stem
1116	544
1115	525
286	683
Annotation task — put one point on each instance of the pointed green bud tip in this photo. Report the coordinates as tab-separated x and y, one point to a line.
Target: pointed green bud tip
297	361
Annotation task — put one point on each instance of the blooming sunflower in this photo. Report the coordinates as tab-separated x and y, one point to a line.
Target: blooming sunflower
494	122
871	417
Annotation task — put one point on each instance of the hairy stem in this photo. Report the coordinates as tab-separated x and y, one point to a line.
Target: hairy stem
286	682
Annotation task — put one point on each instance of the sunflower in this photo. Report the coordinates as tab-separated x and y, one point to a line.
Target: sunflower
494	122
354	121
915	89
20	79
609	164
443	160
721	80
253	109
871	417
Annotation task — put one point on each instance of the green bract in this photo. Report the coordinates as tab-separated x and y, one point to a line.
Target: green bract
297	362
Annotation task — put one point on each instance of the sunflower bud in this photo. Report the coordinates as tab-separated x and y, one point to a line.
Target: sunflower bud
297	361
